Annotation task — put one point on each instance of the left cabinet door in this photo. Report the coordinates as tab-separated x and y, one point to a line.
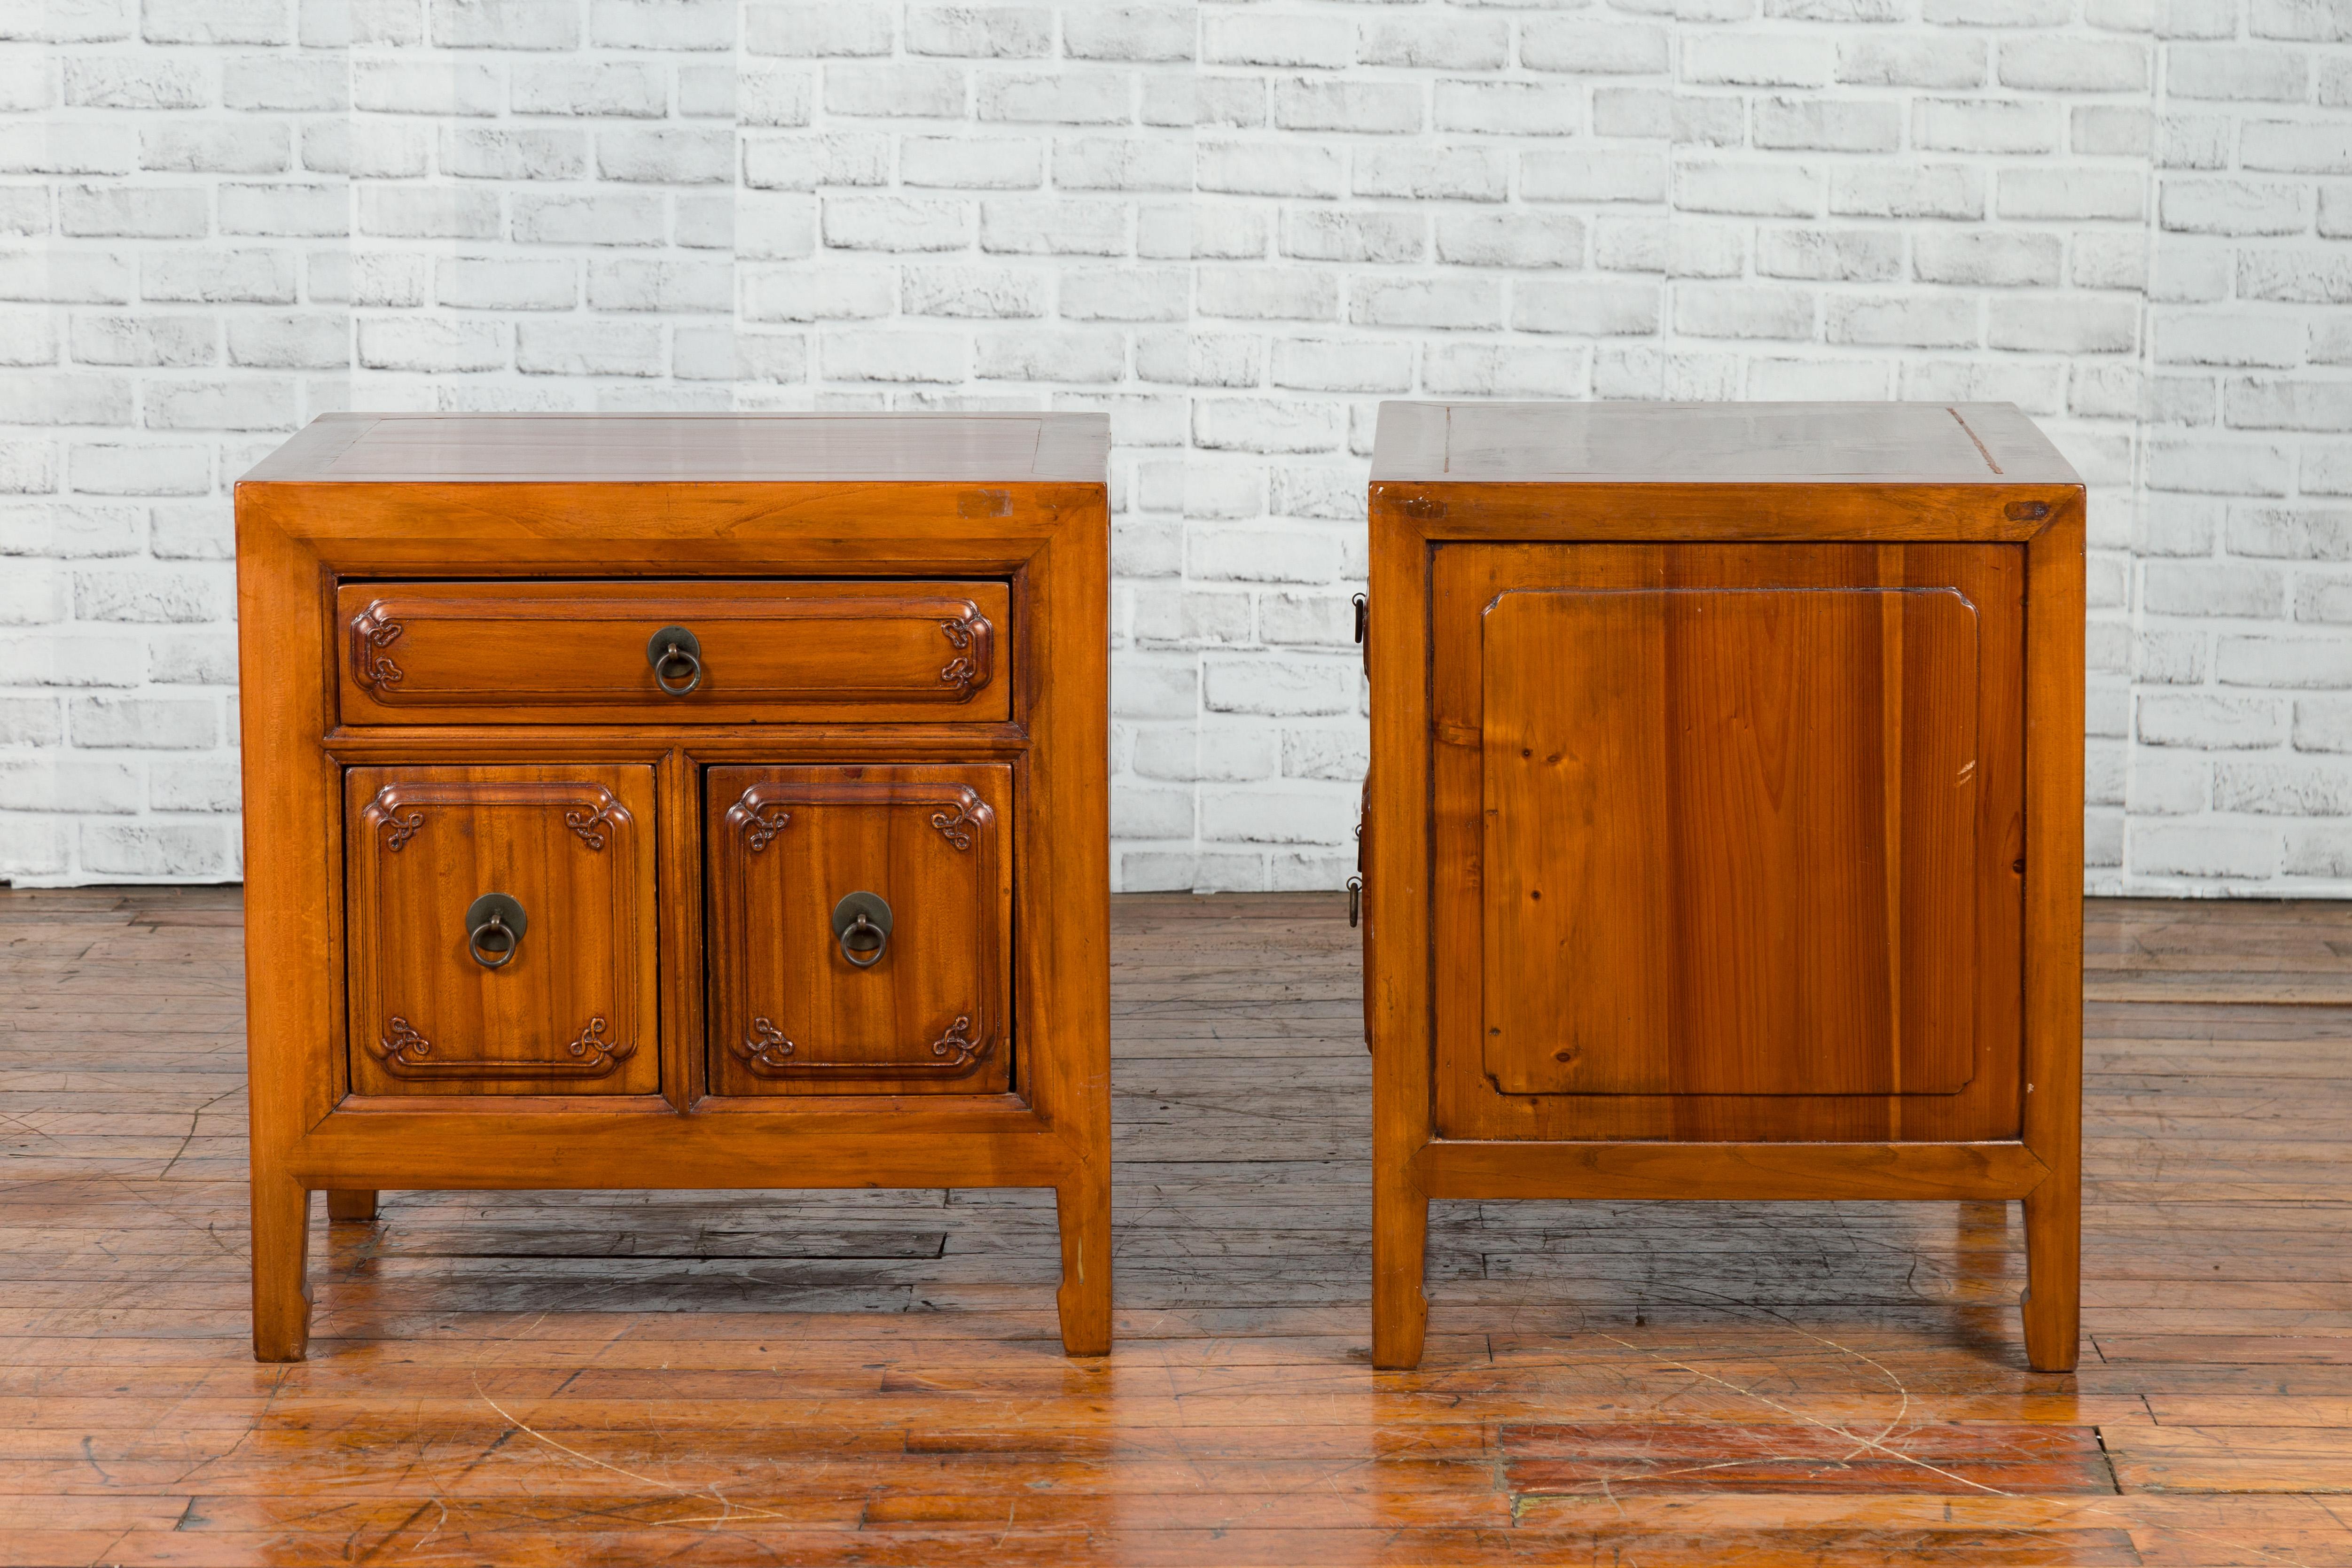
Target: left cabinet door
500	928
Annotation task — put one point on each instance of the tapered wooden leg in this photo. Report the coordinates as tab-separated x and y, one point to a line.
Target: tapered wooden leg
281	1282
1400	1260
1083	1208
2054	1273
351	1205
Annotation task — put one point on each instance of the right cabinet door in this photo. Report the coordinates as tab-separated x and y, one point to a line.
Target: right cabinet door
860	929
1726	840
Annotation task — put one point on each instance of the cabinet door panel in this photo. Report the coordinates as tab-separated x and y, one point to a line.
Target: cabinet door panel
439	1006
1726	839
1720	822
792	1010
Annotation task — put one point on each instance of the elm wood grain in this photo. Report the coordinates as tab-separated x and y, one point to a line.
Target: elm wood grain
571	1008
1472	504
1468	1102
569	652
297	1053
690	447
790	1013
2053	1108
730	531
1451	1167
860	1144
1802	445
970	508
1756	813
1399	995
655	743
868	1432
1674	512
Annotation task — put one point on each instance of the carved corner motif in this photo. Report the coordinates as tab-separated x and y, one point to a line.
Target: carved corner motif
968	816
373	630
406	1053
957	826
968	635
767	1053
757	823
403	1046
954	1045
399	826
595	1055
767	1050
594	820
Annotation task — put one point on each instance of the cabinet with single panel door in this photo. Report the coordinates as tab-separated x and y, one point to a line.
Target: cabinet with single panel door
672	802
1724	831
501	925
860	929
1746	818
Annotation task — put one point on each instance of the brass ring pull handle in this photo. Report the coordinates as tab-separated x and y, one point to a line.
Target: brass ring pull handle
861	922
494	928
676	655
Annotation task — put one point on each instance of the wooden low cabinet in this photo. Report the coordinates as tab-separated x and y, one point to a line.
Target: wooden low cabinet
1727	775
674	802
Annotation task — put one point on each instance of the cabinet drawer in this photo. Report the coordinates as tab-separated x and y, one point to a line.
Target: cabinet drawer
564	653
550	992
804	1002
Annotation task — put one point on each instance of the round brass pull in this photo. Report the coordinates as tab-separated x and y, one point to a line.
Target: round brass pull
676	655
494	927
861	922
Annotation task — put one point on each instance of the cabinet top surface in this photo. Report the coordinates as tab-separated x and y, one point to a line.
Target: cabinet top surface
1711	444
665	448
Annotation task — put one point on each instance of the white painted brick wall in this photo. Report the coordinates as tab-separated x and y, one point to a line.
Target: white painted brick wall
1235	225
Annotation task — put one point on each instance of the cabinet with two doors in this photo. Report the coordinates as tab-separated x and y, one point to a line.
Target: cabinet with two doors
677	802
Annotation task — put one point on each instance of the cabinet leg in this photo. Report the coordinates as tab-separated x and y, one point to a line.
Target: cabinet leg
351	1205
1083	1208
281	1283
2053	1274
1400	1260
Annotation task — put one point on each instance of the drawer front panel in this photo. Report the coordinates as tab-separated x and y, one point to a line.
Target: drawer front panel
563	653
548	992
1726	840
804	1001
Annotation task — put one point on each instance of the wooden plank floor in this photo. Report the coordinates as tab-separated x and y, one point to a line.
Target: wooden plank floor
618	1378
